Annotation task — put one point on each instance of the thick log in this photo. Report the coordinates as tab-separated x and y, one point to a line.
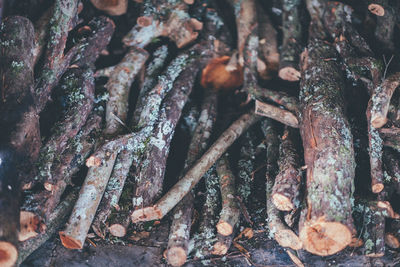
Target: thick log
78	87
55	63
392	237
328	152
222	245
20	128
19	137
74	235
193	176
40	206
285	193
292	30
55	220
386	12
229	215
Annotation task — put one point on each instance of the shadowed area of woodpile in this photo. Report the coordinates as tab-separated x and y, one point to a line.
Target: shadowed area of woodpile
197	132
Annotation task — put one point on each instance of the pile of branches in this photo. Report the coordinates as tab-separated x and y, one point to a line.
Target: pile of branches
182	68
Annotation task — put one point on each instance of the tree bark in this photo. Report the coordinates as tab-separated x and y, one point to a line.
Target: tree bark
328	152
192	177
19	137
285	193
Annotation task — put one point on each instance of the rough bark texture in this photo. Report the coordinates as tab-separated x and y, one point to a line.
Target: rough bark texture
285	193
192	177
328	152
55	62
163	18
19	138
118	86
178	241
150	174
92	43
55	220
41	205
277	230
292	40
392	167
92	190
204	238
381	100
78	87
375	152
229	215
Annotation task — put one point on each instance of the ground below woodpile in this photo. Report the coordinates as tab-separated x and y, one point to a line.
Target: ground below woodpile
148	252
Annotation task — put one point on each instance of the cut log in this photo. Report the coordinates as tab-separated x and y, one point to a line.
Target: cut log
40	206
328	151
292	30
78	87
281	233
74	235
118	86
193	176
54	222
229	215
178	241
19	137
381	100
285	193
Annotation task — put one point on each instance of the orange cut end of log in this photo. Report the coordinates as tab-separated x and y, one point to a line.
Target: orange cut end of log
289	74
219	249
325	238
282	202
8	254
377	188
146	214
218	77
376	9
378	122
224	228
176	256
287	238
29	225
70	242
117	230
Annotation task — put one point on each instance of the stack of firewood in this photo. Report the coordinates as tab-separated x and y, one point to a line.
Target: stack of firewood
180	68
